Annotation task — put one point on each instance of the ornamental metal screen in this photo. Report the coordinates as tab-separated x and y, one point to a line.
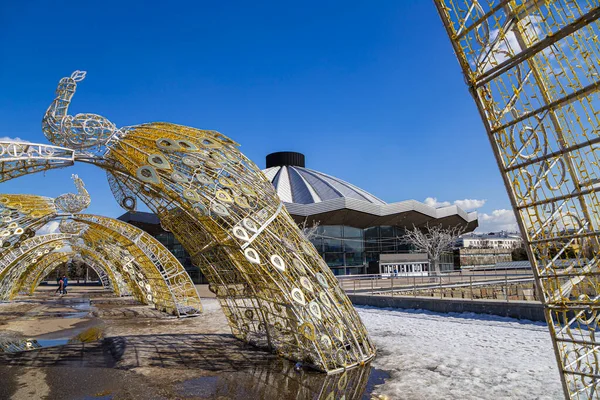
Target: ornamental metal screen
533	69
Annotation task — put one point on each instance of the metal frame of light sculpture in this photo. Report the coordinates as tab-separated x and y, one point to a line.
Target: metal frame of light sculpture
121	285
23	158
153	275
273	286
163	264
30	279
143	268
533	70
11	275
26	283
15	254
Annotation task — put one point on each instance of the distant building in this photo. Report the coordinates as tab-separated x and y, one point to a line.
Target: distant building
476	257
355	228
500	240
412	264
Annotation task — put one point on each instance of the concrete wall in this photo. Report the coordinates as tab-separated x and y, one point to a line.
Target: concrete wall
530	310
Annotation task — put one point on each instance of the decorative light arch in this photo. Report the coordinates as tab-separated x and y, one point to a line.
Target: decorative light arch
11	275
151	273
30	280
532	68
157	259
273	286
16	253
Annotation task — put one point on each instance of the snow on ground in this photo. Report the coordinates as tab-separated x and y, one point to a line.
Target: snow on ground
461	356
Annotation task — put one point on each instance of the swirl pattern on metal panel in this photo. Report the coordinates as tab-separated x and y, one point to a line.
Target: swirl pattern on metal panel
533	70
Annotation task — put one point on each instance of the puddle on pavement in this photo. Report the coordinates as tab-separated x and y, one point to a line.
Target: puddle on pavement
51	342
264	383
17	345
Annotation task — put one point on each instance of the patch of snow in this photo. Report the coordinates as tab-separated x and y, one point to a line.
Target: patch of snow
461	356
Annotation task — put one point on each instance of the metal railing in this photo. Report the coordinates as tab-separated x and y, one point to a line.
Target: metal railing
504	285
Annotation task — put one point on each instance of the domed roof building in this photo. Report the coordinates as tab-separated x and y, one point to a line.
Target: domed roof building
355	226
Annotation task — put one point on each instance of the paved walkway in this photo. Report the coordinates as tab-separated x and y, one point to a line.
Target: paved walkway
99	346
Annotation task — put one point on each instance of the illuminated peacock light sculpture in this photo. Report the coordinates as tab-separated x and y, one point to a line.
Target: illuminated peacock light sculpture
274	288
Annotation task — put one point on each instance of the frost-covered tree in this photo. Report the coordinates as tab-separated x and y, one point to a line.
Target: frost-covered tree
433	240
309	232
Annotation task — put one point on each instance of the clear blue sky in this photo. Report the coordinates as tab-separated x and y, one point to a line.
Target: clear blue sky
370	92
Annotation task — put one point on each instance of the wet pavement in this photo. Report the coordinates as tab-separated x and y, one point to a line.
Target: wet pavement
116	349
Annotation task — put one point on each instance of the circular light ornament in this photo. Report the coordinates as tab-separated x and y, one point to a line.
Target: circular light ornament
252	255
299	265
305	282
278	262
298	296
322	280
128	202
219	209
250	225
241	233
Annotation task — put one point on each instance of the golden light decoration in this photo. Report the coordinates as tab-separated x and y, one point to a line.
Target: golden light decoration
128	260
274	288
533	69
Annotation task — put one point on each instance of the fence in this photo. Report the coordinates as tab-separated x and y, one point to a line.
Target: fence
499	285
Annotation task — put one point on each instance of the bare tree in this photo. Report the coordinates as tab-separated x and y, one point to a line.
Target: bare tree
433	240
309	232
77	269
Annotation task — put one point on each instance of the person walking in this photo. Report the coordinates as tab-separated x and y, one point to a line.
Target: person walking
61	285
65	283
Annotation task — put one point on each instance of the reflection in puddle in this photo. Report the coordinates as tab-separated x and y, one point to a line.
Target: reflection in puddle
17	345
282	382
52	342
14	346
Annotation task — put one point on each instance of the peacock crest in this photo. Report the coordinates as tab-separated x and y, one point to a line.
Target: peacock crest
73	203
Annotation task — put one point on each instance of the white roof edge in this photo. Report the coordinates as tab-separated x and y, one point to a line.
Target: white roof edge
378	209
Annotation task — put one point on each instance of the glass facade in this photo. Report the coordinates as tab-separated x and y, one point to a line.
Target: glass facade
168	240
348	250
345	249
384	240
